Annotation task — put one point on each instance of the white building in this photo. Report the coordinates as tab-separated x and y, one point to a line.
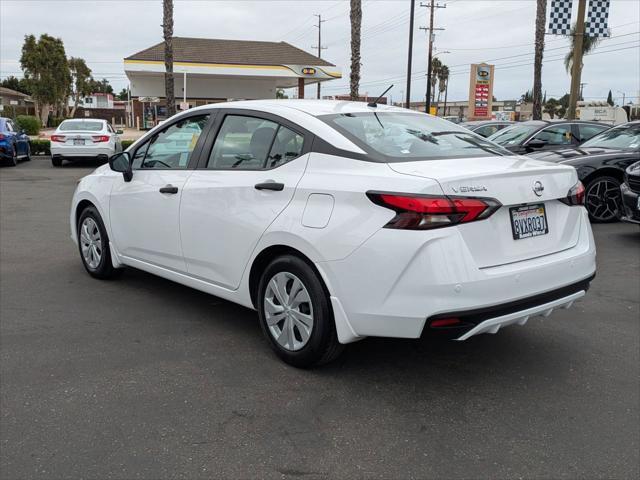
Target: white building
213	70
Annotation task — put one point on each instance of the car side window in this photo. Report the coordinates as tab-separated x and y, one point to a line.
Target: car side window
556	135
172	147
243	143
487	130
588	131
287	145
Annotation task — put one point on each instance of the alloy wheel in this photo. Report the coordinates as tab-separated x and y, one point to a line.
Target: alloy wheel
288	311
603	200
91	243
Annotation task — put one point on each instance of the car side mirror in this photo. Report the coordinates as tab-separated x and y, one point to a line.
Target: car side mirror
535	144
121	162
119	132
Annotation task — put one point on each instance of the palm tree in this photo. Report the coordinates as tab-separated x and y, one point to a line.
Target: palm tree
436	65
443	79
167	28
541	13
356	23
588	44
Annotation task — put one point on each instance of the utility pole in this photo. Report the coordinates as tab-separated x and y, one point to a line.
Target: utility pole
576	68
319	47
432	6
582	84
411	15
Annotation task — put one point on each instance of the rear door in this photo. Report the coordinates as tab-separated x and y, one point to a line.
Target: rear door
247	176
584	131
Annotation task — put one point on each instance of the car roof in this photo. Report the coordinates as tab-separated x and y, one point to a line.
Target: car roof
486	122
83	120
311	107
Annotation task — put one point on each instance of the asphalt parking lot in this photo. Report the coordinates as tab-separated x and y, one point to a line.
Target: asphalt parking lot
143	378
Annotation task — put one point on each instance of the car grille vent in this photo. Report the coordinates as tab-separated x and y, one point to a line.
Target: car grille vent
634	184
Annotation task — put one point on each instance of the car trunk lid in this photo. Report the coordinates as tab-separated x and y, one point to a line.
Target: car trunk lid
512	180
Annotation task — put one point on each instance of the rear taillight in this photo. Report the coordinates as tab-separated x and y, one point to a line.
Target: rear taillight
1	136
58	138
100	138
575	195
423	212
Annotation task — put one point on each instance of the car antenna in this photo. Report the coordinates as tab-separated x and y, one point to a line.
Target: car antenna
375	102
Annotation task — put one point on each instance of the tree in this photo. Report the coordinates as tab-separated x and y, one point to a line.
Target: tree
100	86
167	28
17	84
588	44
610	98
356	23
436	65
527	96
443	79
280	93
45	66
123	95
541	13
551	107
80	81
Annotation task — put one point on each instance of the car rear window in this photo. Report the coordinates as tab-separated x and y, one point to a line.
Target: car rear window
401	137
81	125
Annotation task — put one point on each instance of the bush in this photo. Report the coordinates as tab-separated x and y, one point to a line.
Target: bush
40	147
126	143
28	123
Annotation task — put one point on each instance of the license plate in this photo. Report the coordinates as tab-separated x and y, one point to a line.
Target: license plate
528	221
78	141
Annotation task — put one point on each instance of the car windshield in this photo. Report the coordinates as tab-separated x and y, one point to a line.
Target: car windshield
399	137
80	125
624	137
513	135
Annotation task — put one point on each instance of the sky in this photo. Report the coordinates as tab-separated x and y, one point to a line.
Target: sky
498	32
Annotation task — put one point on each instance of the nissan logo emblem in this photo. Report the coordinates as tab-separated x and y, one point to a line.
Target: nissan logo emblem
538	188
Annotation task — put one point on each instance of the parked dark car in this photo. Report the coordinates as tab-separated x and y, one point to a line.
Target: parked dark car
536	135
631	194
486	128
14	143
601	163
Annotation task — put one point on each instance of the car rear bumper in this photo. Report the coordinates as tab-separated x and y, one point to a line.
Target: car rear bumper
631	212
81	152
398	281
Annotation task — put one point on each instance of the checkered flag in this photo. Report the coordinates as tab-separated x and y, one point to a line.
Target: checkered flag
598	19
560	18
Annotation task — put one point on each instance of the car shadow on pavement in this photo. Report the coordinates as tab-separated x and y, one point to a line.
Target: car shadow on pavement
520	352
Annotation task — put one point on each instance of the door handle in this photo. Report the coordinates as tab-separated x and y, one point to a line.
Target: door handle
169	189
275	186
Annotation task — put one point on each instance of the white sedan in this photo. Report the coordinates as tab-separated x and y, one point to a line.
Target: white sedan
84	138
339	220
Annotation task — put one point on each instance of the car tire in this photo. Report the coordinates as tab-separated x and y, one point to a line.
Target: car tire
13	160
300	329
603	199
56	161
93	245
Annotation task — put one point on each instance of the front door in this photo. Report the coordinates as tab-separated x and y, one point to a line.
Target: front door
248	178
144	212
